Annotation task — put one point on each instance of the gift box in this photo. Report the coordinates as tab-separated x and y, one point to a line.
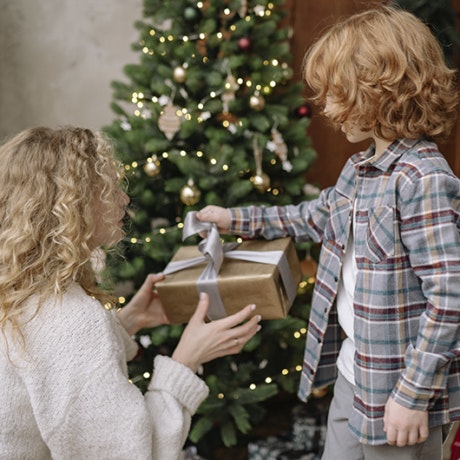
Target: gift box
307	434
268	449
271	285
191	453
309	427
299	455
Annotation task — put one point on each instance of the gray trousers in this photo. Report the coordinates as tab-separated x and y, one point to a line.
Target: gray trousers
341	444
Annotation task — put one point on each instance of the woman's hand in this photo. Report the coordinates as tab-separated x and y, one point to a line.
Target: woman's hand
219	216
202	342
145	308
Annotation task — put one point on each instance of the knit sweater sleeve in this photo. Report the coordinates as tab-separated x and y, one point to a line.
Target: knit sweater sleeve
75	373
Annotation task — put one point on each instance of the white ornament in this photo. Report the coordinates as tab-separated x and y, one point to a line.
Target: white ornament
259	10
243	8
145	340
146	114
166	25
280	149
228	94
125	125
232	128
287	166
163	100
169	122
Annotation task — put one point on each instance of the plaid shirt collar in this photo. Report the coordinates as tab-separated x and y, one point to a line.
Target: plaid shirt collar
387	158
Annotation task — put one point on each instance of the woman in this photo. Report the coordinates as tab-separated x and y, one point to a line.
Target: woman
65	392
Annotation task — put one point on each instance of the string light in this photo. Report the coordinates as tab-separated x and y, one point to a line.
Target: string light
258	10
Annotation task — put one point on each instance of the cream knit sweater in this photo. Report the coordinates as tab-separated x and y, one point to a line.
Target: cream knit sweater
67	395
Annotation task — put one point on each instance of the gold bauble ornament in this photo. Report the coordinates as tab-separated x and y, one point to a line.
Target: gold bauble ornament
190	194
308	266
261	182
257	102
152	167
319	393
227	116
179	74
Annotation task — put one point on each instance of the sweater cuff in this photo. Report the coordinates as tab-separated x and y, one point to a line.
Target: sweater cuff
180	381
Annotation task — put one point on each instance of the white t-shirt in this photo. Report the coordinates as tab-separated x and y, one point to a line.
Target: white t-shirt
345	297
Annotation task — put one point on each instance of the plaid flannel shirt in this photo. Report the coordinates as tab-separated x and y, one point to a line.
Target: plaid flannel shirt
407	295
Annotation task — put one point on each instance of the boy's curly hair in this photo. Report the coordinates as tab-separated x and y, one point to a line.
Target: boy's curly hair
50	179
387	73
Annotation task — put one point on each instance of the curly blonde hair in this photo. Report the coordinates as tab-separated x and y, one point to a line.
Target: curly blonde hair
49	179
387	73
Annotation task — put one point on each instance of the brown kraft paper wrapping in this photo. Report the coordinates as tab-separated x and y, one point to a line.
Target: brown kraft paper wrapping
239	282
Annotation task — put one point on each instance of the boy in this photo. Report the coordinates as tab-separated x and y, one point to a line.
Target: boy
384	323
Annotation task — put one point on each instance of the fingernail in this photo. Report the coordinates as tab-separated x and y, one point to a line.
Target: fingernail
259	327
259	317
253	307
202	295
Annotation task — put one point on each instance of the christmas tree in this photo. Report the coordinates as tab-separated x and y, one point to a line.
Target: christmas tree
211	115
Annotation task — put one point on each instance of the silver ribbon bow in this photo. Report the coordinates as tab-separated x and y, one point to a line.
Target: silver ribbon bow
214	252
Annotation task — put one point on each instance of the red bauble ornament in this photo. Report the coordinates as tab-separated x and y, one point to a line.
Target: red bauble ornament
303	111
244	44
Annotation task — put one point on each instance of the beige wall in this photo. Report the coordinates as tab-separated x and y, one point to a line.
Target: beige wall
58	57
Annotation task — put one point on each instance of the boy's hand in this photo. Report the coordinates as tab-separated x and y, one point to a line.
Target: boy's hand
216	214
403	426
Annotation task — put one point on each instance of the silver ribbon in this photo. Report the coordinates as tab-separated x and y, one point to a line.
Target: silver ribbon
214	252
